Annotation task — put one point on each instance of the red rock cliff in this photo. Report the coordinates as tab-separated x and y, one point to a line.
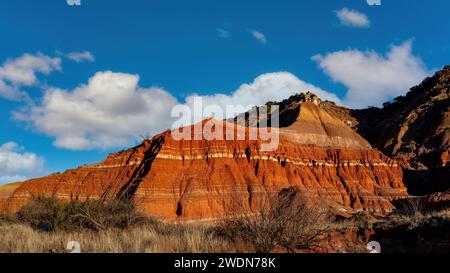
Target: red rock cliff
318	154
5	192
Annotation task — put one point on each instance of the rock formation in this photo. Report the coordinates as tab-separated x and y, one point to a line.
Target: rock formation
6	191
416	129
318	154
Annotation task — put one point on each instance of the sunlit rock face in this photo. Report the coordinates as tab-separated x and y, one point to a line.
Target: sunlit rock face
318	154
5	192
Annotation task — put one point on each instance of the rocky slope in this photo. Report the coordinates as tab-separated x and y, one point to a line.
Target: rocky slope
6	191
415	128
318	154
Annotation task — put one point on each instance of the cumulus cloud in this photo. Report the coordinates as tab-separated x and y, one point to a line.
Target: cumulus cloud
372	78
12	93
22	71
224	34
79	57
261	37
267	87
111	110
15	164
353	18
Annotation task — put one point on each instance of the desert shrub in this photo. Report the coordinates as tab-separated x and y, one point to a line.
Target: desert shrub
47	214
9	218
51	214
412	214
101	214
411	207
282	221
360	220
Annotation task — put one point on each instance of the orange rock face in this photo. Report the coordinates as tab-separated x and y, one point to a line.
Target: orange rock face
3	201
445	158
318	154
5	192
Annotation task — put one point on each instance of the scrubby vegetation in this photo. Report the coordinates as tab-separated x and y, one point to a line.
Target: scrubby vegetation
285	224
147	238
51	214
415	229
112	226
282	223
412	214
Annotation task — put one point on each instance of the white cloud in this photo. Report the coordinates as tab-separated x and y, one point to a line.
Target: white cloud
12	93
15	164
224	34
259	36
111	110
23	69
352	18
81	56
267	87
19	72
372	78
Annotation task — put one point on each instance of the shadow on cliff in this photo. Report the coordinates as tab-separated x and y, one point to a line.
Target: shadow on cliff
129	189
430	237
427	182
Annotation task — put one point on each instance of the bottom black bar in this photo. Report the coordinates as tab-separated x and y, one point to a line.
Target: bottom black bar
222	262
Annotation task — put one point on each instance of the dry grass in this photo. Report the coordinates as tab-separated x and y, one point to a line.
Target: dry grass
161	238
149	238
101	226
283	224
414	217
286	226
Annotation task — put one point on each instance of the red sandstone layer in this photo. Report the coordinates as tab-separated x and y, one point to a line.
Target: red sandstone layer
202	179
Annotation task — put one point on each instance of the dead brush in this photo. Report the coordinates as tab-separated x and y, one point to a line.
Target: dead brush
284	220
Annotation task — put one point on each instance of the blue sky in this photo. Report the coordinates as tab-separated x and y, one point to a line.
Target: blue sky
163	52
